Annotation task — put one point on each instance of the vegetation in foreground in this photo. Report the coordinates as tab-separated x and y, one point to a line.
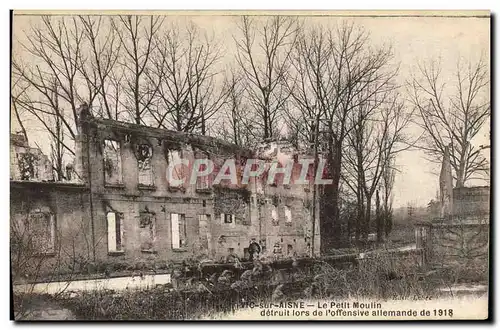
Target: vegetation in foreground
382	277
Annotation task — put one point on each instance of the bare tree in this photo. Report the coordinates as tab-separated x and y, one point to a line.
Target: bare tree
57	139
48	112
16	92
341	72
387	185
56	50
136	35
303	112
263	54
51	119
189	92
453	115
236	121
98	62
73	63
375	139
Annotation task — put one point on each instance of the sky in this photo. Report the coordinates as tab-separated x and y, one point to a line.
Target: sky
414	39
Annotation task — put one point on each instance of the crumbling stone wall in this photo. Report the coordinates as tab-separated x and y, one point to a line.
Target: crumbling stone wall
68	205
250	206
28	163
471	201
461	243
219	220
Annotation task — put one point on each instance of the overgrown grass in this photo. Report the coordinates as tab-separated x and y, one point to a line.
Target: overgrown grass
371	279
158	304
382	276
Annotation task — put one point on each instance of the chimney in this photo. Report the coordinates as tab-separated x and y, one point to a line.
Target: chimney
82	141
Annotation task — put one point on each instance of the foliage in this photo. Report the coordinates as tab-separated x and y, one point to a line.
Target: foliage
383	277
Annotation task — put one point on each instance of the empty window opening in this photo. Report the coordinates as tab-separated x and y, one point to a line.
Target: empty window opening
179	237
144	157
203	182
228	218
204	233
115	231
112	162
277	248
147	226
262	243
288	216
175	173
69	172
274	216
41	227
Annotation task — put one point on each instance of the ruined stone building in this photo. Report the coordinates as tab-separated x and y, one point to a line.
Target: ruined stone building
121	208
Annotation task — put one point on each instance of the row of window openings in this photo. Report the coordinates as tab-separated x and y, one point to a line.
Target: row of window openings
230	218
178	228
147	230
144	154
43	229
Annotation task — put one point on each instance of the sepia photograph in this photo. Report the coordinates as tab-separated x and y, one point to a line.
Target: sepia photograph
250	165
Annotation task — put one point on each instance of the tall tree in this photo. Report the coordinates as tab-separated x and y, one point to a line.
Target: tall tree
376	138
16	92
136	35
341	72
453	115
263	53
236	122
51	77
190	89
387	185
98	62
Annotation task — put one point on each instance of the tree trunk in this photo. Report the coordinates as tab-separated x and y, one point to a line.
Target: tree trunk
380	229
387	223
266	126
330	226
368	214
461	166
360	214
